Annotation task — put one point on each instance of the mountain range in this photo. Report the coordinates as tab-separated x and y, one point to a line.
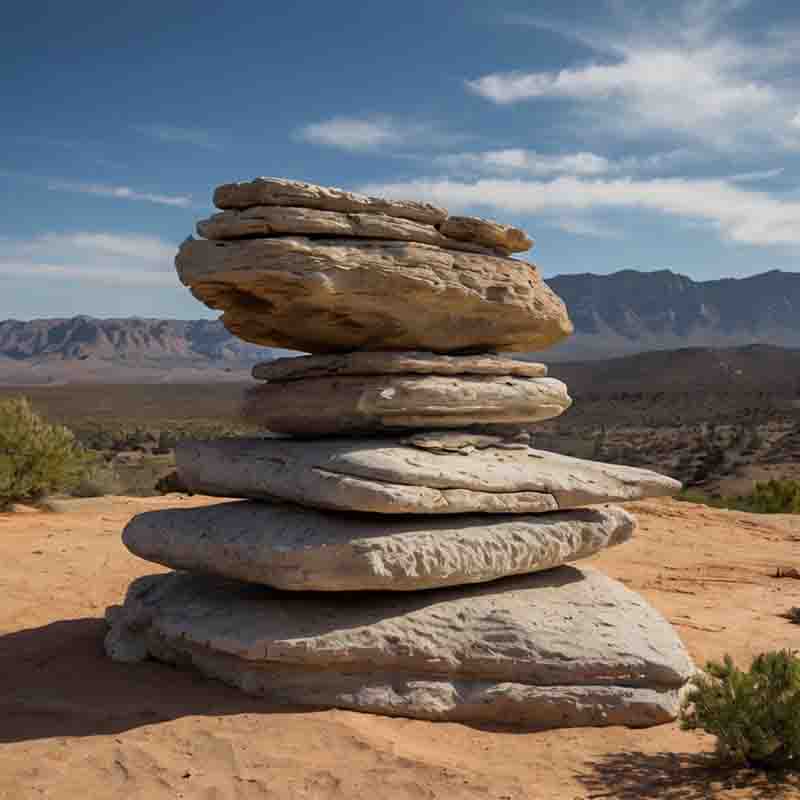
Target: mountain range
624	313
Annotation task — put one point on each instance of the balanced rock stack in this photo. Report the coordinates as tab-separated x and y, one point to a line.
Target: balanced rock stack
403	548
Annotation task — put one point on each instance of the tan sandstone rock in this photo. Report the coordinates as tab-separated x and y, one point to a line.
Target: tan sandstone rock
294	548
328	295
364	362
392	476
486	232
560	648
283	192
279	220
372	403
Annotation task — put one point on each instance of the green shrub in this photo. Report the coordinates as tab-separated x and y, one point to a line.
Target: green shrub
755	715
35	458
769	497
99	480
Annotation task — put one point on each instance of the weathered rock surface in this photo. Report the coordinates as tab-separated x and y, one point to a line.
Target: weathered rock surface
372	403
300	549
279	220
283	192
565	647
486	232
387	363
328	295
392	476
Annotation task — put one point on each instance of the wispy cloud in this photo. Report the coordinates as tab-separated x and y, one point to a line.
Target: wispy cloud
683	73
738	214
173	134
756	175
377	132
121	193
95	257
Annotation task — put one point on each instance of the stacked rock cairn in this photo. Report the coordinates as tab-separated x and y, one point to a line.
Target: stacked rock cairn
401	548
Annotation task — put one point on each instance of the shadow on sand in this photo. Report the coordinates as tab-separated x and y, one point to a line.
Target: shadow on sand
57	681
679	776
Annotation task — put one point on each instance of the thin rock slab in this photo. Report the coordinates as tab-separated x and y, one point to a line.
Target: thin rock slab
411	362
393	475
335	295
279	220
562	648
299	549
357	404
486	232
283	192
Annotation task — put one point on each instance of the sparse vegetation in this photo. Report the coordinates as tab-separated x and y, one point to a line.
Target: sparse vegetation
36	458
755	715
768	497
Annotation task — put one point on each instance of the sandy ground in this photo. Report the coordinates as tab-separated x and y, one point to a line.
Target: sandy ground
74	725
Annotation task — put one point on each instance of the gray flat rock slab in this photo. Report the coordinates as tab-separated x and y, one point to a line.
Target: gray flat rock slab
364	362
300	549
395	476
560	648
358	404
336	295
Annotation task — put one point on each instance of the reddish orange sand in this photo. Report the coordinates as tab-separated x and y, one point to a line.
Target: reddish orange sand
75	725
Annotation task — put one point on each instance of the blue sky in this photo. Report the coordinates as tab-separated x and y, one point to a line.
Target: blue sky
620	134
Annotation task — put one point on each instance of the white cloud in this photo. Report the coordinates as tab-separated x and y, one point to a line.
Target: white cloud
96	257
756	175
173	134
685	75
584	227
519	160
739	214
121	193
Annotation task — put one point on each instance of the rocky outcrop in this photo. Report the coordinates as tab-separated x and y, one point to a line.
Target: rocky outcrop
353	404
558	648
295	548
394	476
328	295
487	233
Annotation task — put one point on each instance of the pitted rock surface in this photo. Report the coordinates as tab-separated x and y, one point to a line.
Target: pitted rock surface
329	295
559	648
294	548
392	476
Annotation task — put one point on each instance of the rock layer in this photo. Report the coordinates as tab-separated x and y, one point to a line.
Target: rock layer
393	476
486	232
329	295
563	647
279	220
354	404
364	362
283	192
299	549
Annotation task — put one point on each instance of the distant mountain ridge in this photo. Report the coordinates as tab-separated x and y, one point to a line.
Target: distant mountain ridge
620	314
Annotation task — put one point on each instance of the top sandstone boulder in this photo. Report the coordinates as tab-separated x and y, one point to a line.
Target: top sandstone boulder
296	195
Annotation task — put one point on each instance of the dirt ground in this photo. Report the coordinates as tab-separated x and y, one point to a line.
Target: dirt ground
75	726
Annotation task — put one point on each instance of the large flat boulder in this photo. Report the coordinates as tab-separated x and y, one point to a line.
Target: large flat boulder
300	549
329	295
353	404
486	232
364	362
393	475
560	648
280	220
284	192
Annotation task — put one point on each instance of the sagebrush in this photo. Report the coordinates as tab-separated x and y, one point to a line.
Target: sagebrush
36	458
755	715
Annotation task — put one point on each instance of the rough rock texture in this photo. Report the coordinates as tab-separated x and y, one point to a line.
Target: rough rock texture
328	295
279	220
300	549
560	648
387	363
372	403
486	232
393	476
283	192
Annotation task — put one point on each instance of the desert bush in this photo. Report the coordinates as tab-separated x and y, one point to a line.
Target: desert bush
99	480
36	458
755	715
769	497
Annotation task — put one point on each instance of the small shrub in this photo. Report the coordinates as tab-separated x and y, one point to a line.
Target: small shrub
100	480
36	458
755	715
793	615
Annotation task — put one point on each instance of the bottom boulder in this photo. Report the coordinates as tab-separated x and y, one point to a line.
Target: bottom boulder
563	648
